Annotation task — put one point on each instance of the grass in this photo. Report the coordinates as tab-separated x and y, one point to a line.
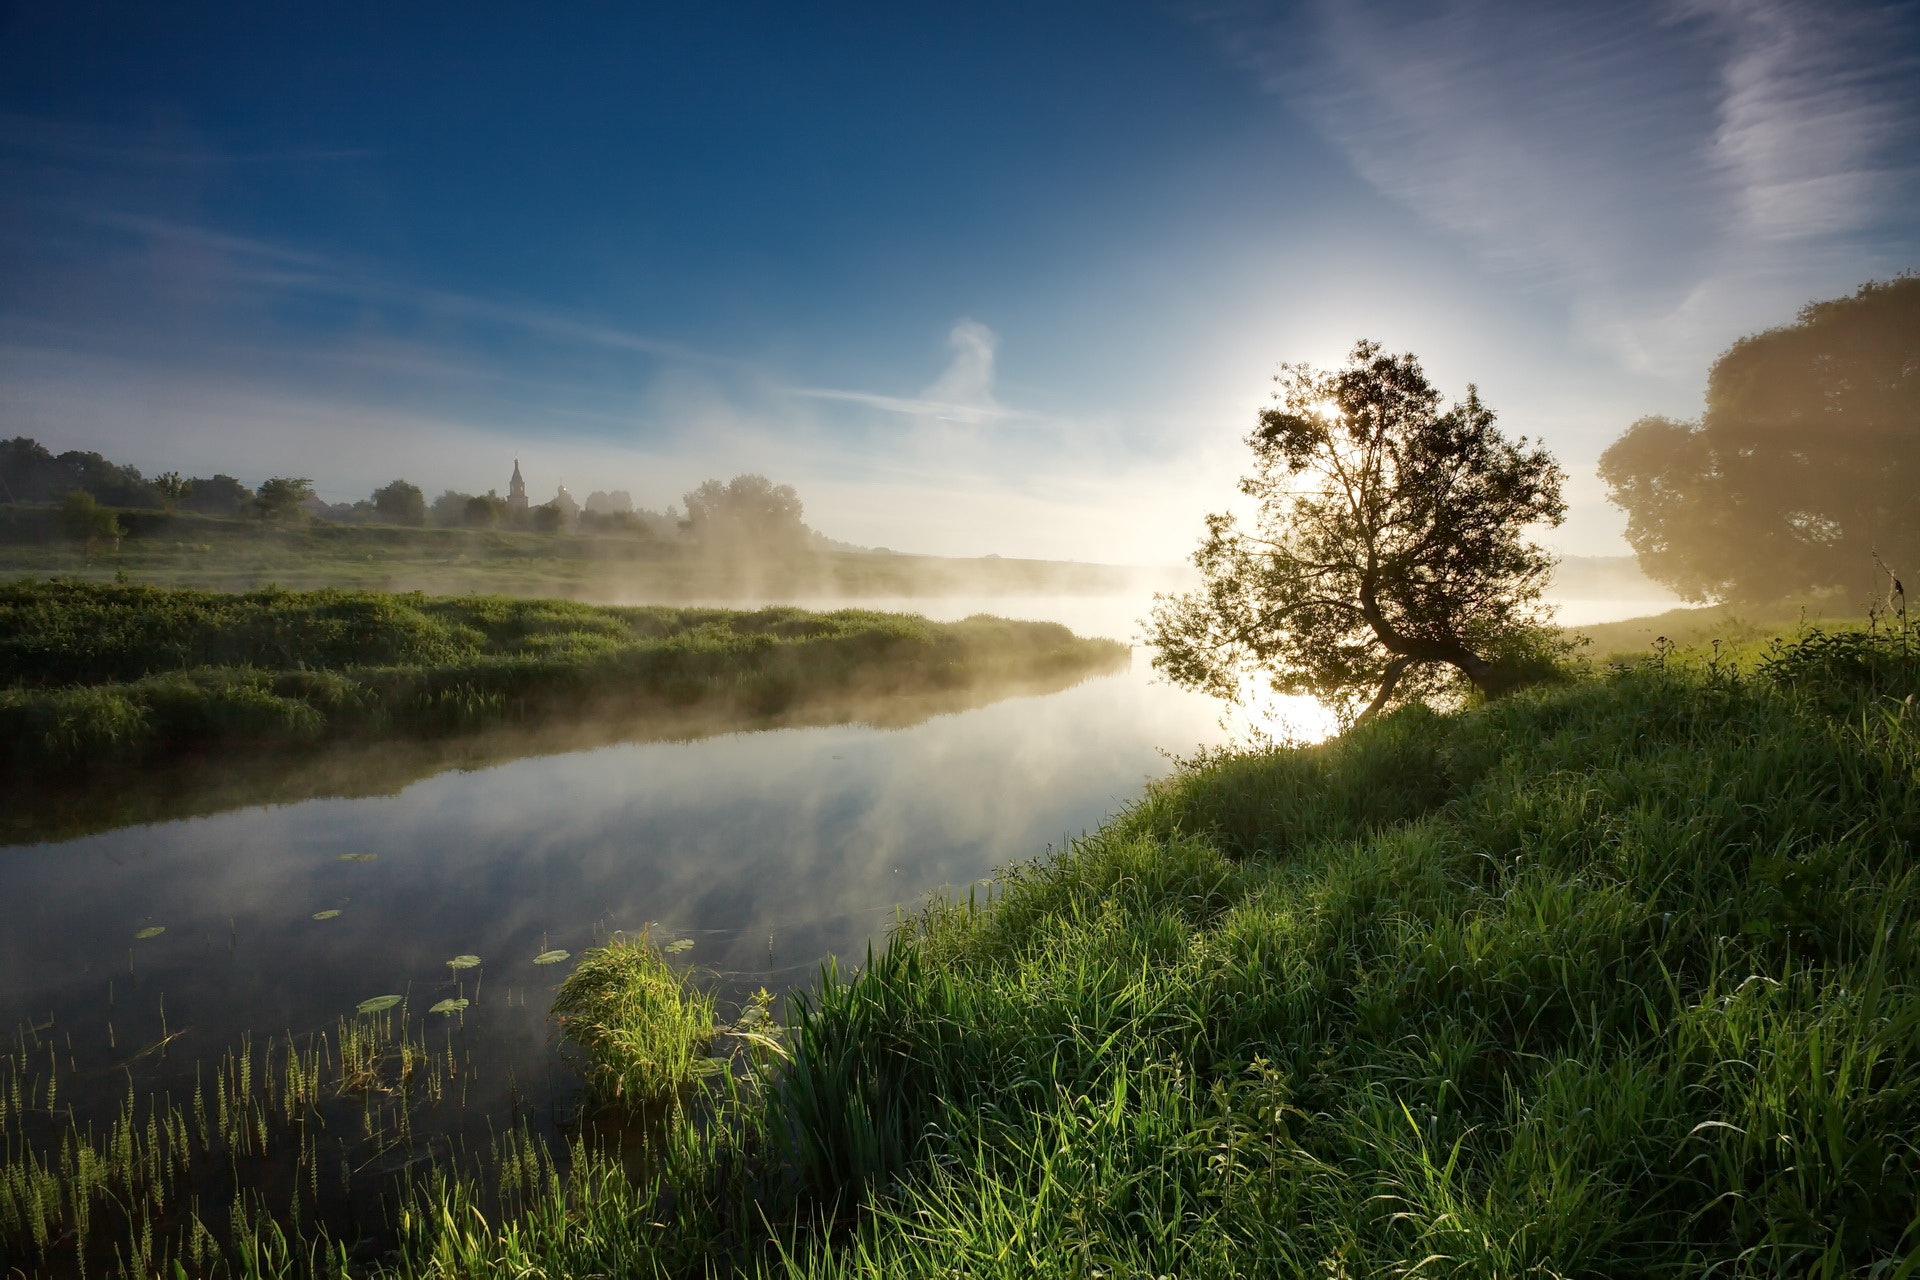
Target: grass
1620	978
96	673
1615	978
643	1030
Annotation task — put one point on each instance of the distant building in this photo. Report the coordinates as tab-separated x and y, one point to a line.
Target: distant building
517	489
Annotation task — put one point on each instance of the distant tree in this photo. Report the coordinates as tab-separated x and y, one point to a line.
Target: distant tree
400	503
607	503
172	488
282	497
625	524
547	518
749	515
29	473
487	511
217	495
1388	555
1804	467
449	510
83	519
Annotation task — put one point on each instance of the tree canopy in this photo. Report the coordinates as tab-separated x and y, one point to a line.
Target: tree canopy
749	515
400	503
282	497
1803	468
1388	552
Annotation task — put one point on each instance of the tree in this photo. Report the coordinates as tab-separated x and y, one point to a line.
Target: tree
84	520
1802	470
281	497
172	488
749	515
487	511
400	503
218	495
1388	553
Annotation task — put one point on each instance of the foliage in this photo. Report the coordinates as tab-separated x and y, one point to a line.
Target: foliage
217	495
172	488
1803	468
643	1030
1388	546
749	515
484	511
1617	978
30	473
85	520
120	672
282	497
400	503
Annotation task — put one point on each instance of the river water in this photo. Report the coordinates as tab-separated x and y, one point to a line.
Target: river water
767	851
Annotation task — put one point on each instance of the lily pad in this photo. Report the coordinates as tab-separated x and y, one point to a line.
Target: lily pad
378	1004
463	962
357	857
677	946
550	957
328	914
448	1006
151	931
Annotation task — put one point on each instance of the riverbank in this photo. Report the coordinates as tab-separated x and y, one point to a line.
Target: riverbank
1615	978
1611	978
111	674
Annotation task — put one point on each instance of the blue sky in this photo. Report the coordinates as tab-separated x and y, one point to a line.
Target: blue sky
983	278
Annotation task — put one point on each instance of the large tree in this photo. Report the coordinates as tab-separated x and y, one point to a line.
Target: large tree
748	516
1388	554
1804	467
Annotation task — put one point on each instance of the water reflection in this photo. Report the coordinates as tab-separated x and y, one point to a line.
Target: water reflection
196	787
769	850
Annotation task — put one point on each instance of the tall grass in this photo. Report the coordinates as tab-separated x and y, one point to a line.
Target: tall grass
97	673
1620	978
642	1029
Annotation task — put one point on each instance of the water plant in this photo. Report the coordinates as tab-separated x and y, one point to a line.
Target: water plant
640	1025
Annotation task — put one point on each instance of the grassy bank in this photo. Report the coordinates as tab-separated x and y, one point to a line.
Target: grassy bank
1614	979
94	673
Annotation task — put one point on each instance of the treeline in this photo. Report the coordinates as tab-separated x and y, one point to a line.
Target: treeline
1800	475
748	515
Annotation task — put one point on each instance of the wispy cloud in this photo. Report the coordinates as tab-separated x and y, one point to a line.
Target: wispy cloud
1670	166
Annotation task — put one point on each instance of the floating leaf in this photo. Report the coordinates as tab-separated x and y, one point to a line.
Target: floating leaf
357	857
550	957
677	946
711	1066
463	962
378	1004
448	1006
151	931
328	914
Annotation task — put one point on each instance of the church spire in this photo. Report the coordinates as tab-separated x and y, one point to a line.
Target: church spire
517	489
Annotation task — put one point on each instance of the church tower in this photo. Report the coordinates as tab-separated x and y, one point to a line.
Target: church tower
517	489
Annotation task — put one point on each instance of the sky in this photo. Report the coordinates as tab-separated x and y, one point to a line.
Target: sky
992	278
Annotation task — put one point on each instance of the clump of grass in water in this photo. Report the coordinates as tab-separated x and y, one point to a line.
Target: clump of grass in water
644	1030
